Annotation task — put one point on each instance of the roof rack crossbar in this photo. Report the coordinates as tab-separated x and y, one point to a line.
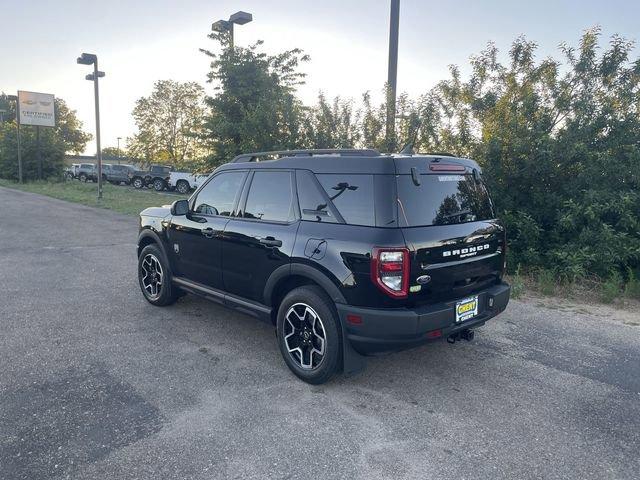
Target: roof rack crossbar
255	157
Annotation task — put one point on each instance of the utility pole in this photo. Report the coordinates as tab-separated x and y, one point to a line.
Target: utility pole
118	140
394	25
39	152
15	97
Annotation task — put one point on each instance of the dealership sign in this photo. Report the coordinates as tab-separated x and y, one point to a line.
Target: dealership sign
36	109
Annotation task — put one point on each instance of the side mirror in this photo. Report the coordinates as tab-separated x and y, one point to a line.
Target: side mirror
180	207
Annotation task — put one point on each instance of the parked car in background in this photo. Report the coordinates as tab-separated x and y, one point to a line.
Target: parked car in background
87	172
184	182
71	172
117	174
157	177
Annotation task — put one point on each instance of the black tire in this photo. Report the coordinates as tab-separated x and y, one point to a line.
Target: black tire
303	303
183	187
159	185
82	177
163	294
137	183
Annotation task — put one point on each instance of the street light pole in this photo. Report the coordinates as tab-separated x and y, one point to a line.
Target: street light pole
118	140
240	18
97	101
392	74
91	59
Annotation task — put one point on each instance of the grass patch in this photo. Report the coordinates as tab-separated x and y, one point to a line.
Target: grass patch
632	287
546	282
611	288
116	198
517	284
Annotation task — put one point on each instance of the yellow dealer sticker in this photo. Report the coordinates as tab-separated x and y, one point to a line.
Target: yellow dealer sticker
466	309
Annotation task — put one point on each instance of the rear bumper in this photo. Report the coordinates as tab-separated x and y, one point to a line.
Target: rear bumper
385	330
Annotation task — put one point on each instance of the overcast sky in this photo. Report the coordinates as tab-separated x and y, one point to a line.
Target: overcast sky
138	42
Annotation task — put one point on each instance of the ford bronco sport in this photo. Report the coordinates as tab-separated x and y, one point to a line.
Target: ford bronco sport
347	253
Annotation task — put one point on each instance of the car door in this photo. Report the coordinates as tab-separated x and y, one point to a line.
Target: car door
260	238
116	173
195	239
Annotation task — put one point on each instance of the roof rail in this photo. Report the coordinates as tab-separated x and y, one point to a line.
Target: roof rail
256	156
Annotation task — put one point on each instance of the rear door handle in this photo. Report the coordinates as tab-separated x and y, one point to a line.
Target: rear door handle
208	232
271	242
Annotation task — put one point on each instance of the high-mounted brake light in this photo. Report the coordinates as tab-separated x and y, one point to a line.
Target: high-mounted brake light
390	271
444	167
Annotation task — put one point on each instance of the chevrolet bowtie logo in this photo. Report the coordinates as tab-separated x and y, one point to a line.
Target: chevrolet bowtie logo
466	252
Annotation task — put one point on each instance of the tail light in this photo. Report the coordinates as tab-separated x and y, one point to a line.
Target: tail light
390	271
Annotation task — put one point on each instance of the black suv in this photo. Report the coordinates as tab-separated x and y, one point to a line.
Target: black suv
157	177
346	252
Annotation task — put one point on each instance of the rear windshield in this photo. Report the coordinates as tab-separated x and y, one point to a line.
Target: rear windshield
442	200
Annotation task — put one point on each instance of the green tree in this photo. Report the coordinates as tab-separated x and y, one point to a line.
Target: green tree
254	107
66	137
112	152
560	145
169	123
331	125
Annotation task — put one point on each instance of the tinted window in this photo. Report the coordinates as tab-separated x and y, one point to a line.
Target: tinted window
270	197
442	200
219	195
313	204
352	195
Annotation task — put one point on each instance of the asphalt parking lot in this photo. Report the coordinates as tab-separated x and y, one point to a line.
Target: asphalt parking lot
96	383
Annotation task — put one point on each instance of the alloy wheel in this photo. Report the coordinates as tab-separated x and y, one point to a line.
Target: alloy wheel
182	187
152	275
304	336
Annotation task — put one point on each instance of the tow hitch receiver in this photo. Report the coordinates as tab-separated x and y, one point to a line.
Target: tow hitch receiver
467	335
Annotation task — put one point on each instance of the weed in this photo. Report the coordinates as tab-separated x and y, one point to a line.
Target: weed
611	288
632	287
546	282
517	284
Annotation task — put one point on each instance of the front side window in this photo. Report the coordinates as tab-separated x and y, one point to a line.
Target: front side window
352	195
219	195
270	197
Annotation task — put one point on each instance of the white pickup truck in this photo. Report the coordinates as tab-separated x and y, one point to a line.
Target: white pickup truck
184	182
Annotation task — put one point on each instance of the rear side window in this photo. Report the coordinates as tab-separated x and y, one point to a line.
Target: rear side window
270	197
442	200
314	206
219	195
352	195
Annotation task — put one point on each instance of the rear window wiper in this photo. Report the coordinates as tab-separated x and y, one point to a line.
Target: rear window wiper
457	214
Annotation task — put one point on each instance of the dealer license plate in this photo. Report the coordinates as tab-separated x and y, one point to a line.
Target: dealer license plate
466	309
